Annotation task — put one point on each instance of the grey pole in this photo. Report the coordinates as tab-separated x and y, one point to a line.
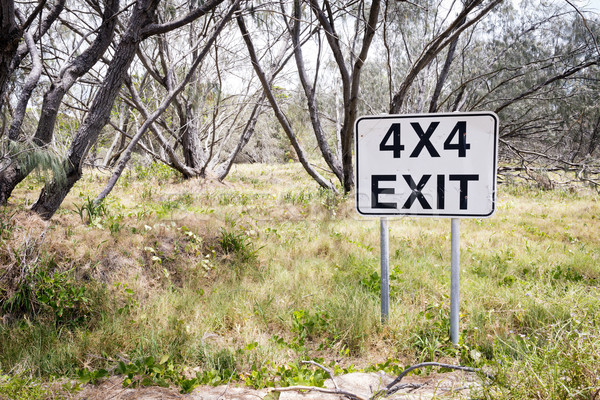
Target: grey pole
385	271
454	279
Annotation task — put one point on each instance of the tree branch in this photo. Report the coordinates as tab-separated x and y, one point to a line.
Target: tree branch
155	29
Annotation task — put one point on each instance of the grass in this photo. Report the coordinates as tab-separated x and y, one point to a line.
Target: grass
249	276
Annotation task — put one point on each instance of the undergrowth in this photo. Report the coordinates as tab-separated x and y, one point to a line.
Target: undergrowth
164	284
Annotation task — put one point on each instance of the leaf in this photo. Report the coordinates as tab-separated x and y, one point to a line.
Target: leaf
164	359
272	396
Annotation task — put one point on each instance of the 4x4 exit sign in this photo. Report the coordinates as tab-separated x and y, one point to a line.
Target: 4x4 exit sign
436	165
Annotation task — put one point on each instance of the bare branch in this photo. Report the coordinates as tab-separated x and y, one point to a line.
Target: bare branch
155	29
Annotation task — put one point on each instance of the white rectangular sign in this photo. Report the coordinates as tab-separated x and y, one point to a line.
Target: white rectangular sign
436	165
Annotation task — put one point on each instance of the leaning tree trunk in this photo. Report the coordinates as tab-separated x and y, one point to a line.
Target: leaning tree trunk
54	193
141	26
17	171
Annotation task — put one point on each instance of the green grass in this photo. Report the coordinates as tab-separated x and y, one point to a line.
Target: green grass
253	276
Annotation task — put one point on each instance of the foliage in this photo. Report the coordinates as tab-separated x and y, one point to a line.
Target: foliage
19	387
41	290
528	279
147	372
238	244
372	282
90	211
43	161
158	171
7	223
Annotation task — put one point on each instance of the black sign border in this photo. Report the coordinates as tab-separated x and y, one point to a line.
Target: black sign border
431	115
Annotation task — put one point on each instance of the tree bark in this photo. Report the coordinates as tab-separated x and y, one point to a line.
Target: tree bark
73	71
350	80
10	35
309	91
150	118
15	173
53	193
28	86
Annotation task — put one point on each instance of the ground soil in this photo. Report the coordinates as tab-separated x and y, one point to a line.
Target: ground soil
433	386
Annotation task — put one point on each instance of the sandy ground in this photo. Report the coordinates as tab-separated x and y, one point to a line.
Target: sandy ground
450	385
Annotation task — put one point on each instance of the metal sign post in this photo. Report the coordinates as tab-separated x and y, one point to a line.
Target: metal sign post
454	278
385	270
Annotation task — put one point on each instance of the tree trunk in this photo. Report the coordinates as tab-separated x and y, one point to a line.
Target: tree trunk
190	140
277	111
54	193
28	86
11	177
311	101
150	118
223	170
10	35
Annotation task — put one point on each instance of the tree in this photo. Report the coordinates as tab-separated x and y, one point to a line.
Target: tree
68	75
141	25
349	58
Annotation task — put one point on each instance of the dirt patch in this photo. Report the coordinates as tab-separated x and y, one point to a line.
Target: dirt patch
455	385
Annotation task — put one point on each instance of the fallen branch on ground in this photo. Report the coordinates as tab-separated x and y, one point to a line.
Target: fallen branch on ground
390	389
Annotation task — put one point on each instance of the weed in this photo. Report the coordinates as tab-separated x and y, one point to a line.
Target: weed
302	197
147	372
167	207
93	377
19	387
68	301
7	223
115	223
159	171
90	211
372	282
433	339
553	364
129	302
239	245
291	374
568	274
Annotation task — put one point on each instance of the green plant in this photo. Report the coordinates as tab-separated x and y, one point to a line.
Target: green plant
372	282
432	340
90	211
115	223
39	289
20	387
239	245
290	374
69	301
147	372
93	377
159	171
7	223
129	301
